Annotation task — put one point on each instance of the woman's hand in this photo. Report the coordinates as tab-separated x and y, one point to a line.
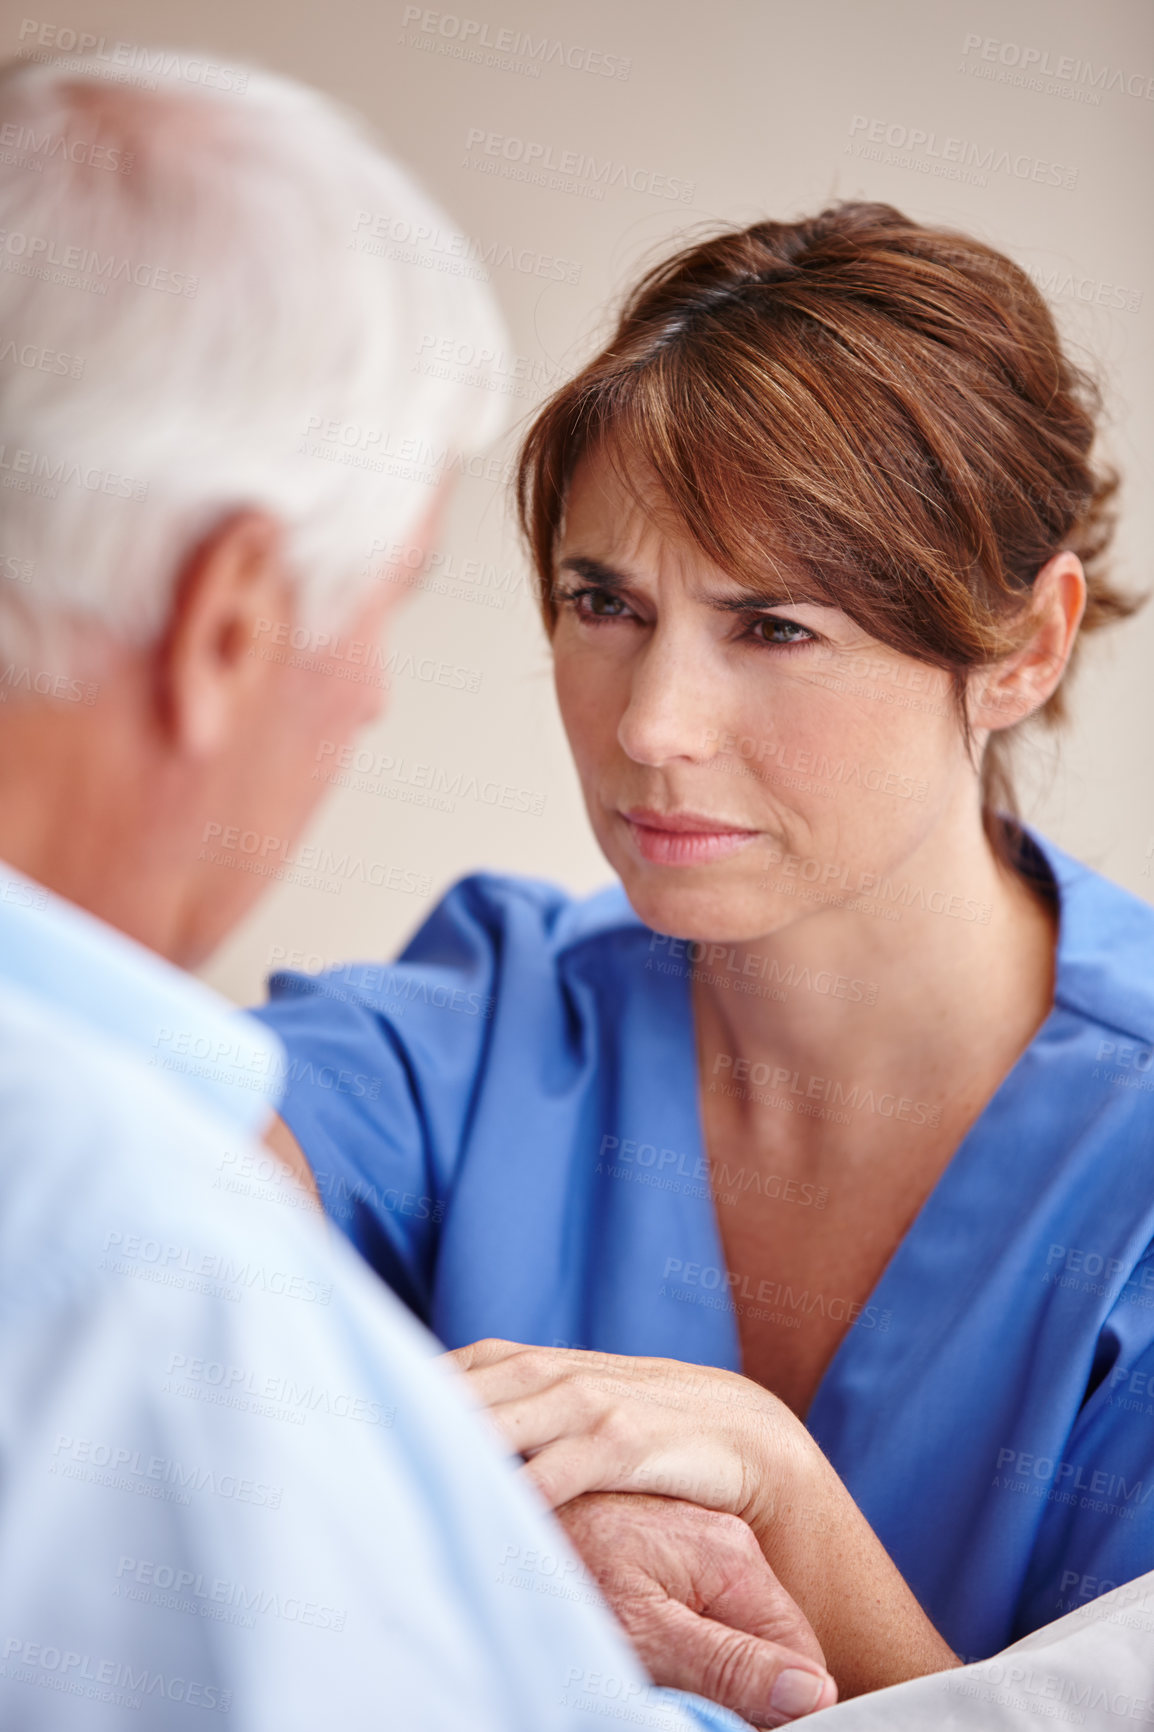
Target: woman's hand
605	1422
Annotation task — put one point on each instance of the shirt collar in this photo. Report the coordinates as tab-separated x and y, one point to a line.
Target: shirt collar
1105	951
104	980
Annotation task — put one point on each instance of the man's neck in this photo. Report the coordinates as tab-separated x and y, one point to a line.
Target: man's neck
73	801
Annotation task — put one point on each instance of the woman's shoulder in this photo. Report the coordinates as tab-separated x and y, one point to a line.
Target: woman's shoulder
488	929
1105	956
395	1052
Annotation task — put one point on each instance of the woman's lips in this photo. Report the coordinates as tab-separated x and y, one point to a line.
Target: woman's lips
683	838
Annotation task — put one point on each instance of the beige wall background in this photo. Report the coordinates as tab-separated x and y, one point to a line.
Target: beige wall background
1029	123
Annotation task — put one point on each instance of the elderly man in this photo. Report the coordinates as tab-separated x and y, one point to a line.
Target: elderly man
231	1479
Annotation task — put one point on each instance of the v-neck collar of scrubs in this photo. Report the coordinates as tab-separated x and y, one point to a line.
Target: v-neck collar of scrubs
956	1235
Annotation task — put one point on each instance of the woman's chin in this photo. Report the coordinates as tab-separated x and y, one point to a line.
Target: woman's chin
689	906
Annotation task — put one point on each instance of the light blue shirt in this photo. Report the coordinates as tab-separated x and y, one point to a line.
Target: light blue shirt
233	1488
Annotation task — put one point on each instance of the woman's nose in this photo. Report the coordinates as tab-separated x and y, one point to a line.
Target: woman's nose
676	705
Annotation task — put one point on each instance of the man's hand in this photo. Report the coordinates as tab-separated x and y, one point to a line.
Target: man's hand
700	1604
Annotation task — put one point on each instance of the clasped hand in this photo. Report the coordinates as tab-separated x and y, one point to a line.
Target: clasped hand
600	1422
685	1576
605	1422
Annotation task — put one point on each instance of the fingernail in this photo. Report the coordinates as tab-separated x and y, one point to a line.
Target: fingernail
796	1693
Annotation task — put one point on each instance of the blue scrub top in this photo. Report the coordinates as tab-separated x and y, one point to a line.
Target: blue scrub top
506	1124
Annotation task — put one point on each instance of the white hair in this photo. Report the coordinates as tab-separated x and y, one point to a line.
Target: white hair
193	319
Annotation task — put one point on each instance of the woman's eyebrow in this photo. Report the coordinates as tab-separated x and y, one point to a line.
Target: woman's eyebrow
746	601
593	571
756	601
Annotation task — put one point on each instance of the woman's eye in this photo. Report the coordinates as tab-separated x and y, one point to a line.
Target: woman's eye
767	629
594	603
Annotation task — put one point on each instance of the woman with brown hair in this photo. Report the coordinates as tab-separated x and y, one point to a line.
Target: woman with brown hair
809	1175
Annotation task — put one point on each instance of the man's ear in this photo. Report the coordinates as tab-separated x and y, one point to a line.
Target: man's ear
1020	684
231	590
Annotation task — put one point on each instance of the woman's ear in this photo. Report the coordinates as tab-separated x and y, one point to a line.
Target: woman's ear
1019	684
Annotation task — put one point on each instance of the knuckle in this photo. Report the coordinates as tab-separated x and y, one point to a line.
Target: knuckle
534	1361
615	1429
588	1399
